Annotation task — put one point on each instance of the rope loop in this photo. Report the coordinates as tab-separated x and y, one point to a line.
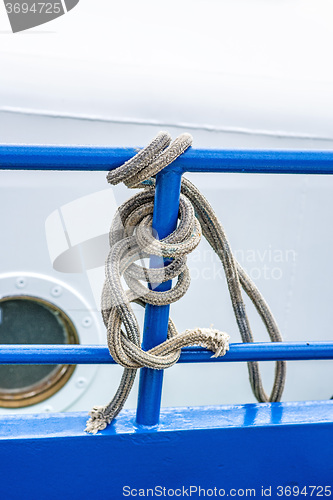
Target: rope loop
132	239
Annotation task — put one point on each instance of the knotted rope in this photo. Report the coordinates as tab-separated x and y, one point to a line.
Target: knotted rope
132	239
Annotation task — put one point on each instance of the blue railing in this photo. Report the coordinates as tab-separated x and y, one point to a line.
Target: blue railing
164	221
99	354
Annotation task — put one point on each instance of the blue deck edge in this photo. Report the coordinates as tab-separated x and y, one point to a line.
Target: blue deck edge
238	446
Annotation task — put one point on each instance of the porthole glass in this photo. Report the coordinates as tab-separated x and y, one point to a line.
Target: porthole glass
30	320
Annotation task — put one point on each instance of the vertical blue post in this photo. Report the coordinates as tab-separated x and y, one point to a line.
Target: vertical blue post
166	207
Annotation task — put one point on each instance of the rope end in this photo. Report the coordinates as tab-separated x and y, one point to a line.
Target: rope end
210	338
97	421
217	341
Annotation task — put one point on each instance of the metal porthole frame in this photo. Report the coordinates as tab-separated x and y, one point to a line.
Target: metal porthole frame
67	383
56	379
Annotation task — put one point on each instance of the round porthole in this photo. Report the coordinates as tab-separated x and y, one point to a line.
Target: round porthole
32	320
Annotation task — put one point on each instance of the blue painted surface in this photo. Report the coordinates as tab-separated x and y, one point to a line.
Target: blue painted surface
193	160
226	447
166	206
99	354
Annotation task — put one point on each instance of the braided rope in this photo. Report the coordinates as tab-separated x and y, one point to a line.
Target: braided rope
132	239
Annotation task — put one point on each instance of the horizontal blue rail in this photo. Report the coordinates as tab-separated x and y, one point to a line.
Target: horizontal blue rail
99	354
20	157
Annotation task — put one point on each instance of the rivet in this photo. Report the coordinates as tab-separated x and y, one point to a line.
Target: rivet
21	282
87	321
81	383
56	291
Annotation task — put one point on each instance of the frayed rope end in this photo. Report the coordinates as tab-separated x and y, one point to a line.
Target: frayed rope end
218	342
211	339
98	421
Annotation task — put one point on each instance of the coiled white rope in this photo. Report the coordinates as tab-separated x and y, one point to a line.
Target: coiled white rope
132	239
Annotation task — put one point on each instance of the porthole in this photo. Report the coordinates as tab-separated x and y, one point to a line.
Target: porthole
32	320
